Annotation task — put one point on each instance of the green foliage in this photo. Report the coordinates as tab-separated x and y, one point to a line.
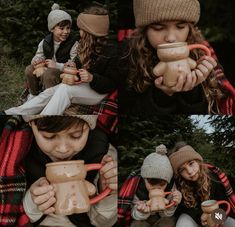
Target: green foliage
139	137
217	20
23	24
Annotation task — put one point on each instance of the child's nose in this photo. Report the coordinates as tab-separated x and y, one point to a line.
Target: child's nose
170	37
62	147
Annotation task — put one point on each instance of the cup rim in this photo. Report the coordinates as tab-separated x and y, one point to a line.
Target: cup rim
65	163
171	45
208	202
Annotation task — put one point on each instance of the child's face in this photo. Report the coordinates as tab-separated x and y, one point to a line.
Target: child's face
156	186
167	32
190	170
63	145
61	33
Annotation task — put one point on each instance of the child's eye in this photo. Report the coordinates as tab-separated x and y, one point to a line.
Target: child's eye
157	27
181	26
76	136
49	137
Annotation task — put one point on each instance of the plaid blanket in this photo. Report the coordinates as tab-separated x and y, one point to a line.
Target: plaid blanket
107	111
225	105
125	198
129	187
228	189
14	144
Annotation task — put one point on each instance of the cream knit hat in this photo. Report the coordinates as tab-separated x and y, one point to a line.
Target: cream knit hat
183	155
150	11
56	16
90	119
157	165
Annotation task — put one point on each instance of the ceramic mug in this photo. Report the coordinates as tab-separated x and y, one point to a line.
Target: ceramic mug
157	200
72	72
72	191
175	55
208	207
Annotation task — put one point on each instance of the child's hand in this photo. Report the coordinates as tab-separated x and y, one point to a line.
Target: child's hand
69	79
108	173
204	67
142	207
50	63
85	76
184	83
43	195
177	196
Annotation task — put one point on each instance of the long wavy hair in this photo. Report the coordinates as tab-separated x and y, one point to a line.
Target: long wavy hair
90	46
193	192
143	58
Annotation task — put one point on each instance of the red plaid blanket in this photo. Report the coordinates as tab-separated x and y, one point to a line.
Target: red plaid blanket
14	144
129	187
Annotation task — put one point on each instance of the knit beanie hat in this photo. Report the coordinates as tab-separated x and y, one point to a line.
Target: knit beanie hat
89	119
150	11
56	16
97	25
157	165
183	155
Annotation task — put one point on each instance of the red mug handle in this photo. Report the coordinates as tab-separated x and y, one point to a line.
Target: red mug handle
106	191
172	203
227	203
200	46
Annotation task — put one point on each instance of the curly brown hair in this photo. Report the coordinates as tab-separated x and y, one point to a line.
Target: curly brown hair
143	58
90	45
202	187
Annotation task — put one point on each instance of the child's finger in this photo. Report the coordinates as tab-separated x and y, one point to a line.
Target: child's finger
36	191
49	210
47	204
43	198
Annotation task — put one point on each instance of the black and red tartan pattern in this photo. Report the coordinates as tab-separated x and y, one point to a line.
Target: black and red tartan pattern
129	187
14	145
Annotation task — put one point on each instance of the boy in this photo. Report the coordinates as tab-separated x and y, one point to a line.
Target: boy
61	138
156	173
53	51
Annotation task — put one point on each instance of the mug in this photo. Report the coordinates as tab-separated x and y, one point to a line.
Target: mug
175	55
209	206
157	200
72	191
72	73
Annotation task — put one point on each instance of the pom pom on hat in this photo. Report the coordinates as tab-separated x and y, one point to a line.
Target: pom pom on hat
56	16
157	165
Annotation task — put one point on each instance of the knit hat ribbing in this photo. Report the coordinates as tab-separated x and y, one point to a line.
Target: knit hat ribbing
157	165
150	11
56	16
90	119
97	25
183	155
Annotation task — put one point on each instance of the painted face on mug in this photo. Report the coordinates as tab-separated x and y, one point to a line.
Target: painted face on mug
190	170
167	32
63	145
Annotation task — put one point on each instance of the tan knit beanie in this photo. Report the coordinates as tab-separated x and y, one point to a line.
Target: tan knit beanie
89	119
183	155
97	25
157	165
150	11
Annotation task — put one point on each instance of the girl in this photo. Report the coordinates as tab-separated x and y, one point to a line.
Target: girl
57	138
156	173
96	60
161	22
196	184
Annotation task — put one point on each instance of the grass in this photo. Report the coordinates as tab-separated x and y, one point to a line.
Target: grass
12	82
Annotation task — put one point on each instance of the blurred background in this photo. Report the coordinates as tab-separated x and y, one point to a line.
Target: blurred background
23	24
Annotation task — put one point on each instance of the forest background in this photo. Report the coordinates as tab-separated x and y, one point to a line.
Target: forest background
24	23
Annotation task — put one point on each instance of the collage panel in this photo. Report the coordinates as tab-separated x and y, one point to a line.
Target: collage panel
176	170
57	171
